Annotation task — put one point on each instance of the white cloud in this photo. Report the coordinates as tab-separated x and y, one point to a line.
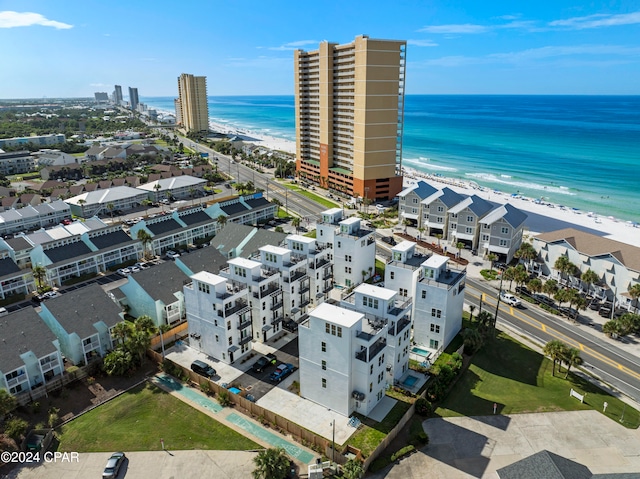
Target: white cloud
99	85
422	43
597	21
294	45
455	28
9	19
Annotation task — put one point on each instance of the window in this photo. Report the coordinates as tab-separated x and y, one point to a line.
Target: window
371	369
504	230
230	340
370	302
228	325
468	230
217	339
339	331
203	287
433	344
324	347
436	313
423	294
324	383
435	328
370	387
440	209
469	219
347	258
504	242
403	292
324	365
264	305
333	329
339	244
485	237
392	275
327	328
454	226
415	201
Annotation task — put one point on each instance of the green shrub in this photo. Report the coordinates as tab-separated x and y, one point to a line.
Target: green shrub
423	437
423	407
224	398
402	452
15	428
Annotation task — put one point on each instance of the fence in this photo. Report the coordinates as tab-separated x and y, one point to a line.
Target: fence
170	336
264	416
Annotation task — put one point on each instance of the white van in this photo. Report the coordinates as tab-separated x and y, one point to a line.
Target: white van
3	312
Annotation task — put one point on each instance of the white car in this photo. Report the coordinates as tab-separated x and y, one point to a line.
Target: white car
134	269
143	265
510	299
172	255
124	272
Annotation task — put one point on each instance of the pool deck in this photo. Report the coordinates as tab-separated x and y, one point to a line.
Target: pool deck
415	387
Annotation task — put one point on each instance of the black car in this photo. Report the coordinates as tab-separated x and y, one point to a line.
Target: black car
290	325
264	362
523	290
595	305
500	266
605	312
389	240
203	369
541	298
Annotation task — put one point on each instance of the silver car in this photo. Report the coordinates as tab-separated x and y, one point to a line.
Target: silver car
113	466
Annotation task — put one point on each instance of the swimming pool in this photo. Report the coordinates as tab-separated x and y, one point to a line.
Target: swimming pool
410	381
420	351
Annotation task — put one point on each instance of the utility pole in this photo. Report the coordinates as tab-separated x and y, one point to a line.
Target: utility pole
495	320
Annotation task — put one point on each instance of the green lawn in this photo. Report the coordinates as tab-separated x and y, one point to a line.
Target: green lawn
312	196
520	380
138	419
371	434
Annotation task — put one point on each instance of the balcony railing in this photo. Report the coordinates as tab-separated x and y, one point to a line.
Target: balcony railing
239	306
273	287
245	340
276	305
400	326
244	323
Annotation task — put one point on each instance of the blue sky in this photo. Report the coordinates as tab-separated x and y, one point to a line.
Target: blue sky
69	48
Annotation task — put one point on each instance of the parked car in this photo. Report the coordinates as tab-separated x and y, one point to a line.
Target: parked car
510	299
51	294
113	466
264	362
389	240
172	254
523	290
203	369
595	305
544	299
281	372
143	265
124	272
605	312
134	269
568	312
290	325
500	266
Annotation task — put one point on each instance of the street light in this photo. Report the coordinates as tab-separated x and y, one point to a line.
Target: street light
495	321
333	442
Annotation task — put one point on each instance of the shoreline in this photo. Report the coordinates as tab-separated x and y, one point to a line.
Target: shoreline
542	216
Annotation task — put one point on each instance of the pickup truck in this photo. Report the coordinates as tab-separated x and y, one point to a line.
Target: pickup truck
264	362
281	372
510	299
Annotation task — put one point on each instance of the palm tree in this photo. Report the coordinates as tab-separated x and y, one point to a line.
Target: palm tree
145	323
535	285
460	246
222	220
491	257
589	277
82	202
438	237
7	403
521	275
550	287
272	463
472	340
157	187
571	357
250	186
120	331
485	321
138	343
526	252
555	350
509	274
146	203
111	207
295	222
39	274
146	239
564	266
352	469
364	274
612	328
192	192
561	296
634	292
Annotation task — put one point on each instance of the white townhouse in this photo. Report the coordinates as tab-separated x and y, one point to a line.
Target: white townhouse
403	269
385	306
617	264
327	225
464	221
410	199
219	316
95	202
183	186
319	265
29	357
435	211
265	294
342	360
501	232
30	217
437	305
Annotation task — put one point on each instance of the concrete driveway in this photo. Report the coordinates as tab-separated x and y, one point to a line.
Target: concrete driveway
475	447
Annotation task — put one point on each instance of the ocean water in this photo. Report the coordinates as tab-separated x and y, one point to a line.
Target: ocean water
578	151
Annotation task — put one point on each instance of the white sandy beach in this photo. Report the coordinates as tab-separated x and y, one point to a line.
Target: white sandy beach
542	217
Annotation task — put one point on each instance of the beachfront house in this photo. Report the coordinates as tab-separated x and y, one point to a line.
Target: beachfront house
82	321
435	211
219	316
437	305
616	264
29	356
409	201
464	221
501	232
342	359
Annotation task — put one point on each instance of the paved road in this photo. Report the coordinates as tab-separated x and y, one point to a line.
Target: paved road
614	365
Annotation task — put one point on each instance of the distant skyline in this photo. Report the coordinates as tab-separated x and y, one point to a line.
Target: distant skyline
55	48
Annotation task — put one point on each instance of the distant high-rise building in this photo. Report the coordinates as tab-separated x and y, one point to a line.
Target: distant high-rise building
117	95
101	97
192	110
176	104
133	98
349	102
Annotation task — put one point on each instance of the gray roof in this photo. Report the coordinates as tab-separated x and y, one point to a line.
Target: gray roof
247	238
511	215
421	188
206	259
230	237
19	243
21	332
234	208
477	205
66	252
162	281
8	267
196	217
77	311
450	197
262	238
162	227
547	465
111	239
257	202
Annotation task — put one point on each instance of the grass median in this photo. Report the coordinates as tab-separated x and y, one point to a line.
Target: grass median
138	419
312	196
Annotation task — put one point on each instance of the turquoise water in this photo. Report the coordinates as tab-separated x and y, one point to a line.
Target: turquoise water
420	351
410	381
271	438
578	151
190	394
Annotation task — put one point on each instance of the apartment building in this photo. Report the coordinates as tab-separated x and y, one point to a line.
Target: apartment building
464	221
437	305
117	95
219	316
354	252
403	269
501	232
133	99
192	108
265	292
319	265
349	102
409	202
342	359
435	211
16	162
40	140
383	306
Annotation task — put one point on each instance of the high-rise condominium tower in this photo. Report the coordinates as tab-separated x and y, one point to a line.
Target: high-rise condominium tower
117	95
192	110
349	116
133	98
